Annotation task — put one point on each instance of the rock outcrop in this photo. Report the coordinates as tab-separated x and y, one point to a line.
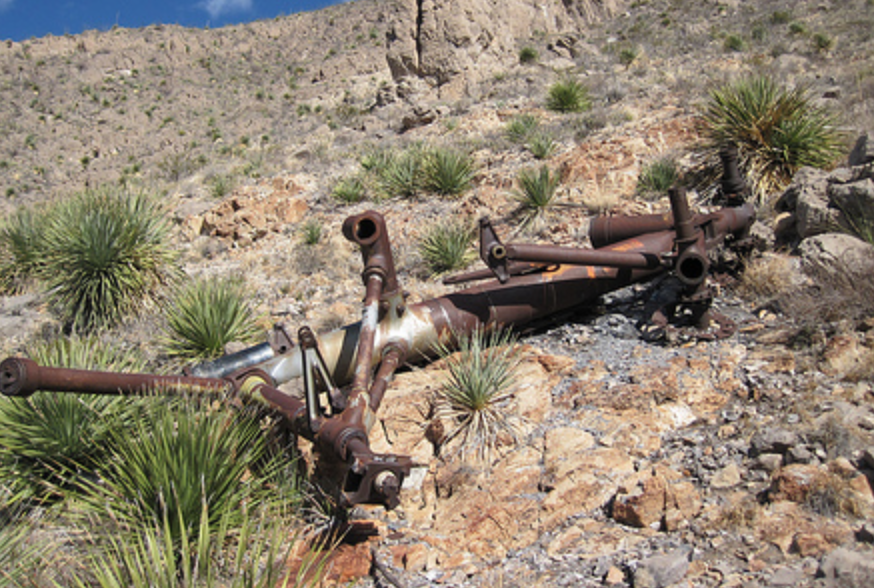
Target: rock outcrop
455	45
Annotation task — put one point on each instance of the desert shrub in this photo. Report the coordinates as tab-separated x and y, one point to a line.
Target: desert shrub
206	314
822	43
520	128
527	55
447	246
628	55
541	145
447	171
767	277
798	28
776	130
734	43
186	466
568	96
311	231
830	495
50	441
536	195
349	190
781	17
221	185
22	249
107	254
19	551
402	174
475	394
658	176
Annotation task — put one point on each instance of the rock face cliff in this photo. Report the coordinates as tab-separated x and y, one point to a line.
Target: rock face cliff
454	45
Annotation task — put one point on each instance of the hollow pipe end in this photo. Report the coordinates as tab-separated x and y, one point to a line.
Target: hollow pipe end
16	374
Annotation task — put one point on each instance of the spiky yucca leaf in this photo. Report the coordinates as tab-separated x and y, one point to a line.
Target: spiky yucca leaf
536	195
481	375
448	171
22	249
568	96
205	315
776	130
447	246
49	441
107	254
182	460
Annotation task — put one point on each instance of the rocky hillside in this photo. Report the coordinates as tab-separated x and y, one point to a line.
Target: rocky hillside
746	461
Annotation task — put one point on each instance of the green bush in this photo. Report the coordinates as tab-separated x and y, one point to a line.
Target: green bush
205	315
527	55
475	394
541	145
776	130
822	43
401	175
22	249
568	96
49	442
106	255
349	190
657	177
447	246
520	128
536	195
447	171
311	231
734	43
187	466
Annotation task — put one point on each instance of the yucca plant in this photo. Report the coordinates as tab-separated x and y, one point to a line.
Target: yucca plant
349	190
568	96
402	174
19	550
536	195
185	464
205	315
448	171
541	145
658	176
520	128
22	249
49	442
447	246
776	130
474	396
107	254
311	231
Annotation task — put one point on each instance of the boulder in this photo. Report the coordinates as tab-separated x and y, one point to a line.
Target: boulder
838	257
843	568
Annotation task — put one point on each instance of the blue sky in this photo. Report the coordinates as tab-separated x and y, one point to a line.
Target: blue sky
22	19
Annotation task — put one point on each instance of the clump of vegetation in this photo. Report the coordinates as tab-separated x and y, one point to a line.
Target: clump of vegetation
528	55
541	145
205	315
401	174
447	171
536	195
767	277
568	95
521	127
447	246
474	398
106	255
311	231
22	250
734	43
658	176
50	442
776	130
221	185
822	43
349	190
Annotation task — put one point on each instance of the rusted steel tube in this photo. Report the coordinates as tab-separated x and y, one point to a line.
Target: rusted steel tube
578	256
20	376
489	304
367	335
606	230
682	216
368	231
391	360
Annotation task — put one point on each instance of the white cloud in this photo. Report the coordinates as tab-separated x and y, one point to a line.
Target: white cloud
217	8
5	5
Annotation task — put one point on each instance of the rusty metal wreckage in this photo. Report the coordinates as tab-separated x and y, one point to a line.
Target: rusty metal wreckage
346	372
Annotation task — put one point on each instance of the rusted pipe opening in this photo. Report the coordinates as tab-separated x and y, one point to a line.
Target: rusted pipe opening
366	231
692	268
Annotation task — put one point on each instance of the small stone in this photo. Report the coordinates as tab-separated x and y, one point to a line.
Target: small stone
614	576
770	462
661	571
727	477
787	577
